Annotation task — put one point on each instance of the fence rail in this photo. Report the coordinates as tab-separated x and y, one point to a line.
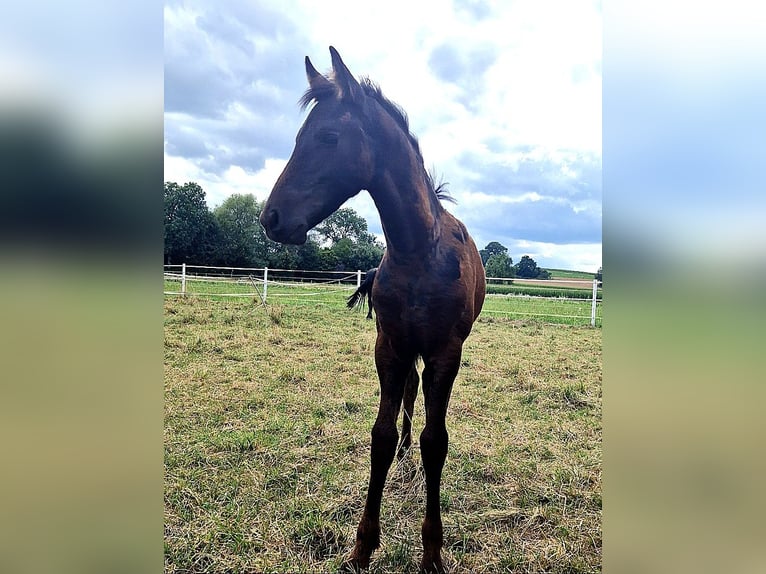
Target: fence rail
577	301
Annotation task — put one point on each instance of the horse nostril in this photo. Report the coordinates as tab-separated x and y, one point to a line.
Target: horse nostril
271	219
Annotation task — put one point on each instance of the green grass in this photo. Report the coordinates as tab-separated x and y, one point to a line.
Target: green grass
268	412
565	306
564	311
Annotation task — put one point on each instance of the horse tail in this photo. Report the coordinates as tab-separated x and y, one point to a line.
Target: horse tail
357	298
365	289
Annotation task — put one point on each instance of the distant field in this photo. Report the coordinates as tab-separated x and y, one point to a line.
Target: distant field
268	412
570	289
566	274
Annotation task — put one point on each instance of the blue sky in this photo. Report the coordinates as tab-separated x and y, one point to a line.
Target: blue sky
504	97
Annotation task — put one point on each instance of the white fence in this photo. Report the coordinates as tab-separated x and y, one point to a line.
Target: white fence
311	287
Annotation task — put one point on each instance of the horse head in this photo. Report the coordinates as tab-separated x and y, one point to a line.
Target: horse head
333	157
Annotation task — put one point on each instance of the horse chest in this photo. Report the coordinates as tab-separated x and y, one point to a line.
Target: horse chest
416	309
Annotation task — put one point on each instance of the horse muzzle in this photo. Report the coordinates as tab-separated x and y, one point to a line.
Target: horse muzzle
282	229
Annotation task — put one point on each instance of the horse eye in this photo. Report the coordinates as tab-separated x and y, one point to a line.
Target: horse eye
329	138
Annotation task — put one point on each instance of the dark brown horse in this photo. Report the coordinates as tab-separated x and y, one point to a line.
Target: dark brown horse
429	287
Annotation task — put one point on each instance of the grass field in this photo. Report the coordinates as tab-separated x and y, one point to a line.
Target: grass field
268	412
510	301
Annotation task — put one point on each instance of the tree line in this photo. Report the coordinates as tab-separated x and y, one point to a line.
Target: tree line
231	236
497	263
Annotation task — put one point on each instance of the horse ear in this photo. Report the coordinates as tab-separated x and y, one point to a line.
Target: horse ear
316	80
349	87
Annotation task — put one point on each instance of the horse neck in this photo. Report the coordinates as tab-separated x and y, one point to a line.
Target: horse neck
410	216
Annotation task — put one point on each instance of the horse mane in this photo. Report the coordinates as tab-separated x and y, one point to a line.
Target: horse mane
317	94
440	190
371	89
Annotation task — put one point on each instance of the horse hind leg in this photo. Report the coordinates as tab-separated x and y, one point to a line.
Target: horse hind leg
410	394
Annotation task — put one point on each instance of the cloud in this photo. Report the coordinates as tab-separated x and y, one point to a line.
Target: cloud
575	256
474	9
504	99
462	67
528	193
456	64
226	84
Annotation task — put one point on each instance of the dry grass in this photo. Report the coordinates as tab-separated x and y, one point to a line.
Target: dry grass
267	420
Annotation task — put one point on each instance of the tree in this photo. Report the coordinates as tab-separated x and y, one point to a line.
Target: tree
344	223
492	248
191	232
328	260
309	255
281	256
499	265
368	255
348	255
528	269
232	235
243	240
351	245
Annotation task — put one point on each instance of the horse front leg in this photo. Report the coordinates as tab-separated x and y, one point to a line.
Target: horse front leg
392	372
438	376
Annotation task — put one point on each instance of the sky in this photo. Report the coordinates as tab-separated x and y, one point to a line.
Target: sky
504	98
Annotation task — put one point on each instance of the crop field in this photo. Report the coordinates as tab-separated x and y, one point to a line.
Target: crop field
268	412
568	274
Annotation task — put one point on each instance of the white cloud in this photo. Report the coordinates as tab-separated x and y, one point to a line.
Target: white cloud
518	89
477	197
575	256
233	180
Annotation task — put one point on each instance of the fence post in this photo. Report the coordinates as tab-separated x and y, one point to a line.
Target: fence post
265	283
183	278
593	304
358	278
